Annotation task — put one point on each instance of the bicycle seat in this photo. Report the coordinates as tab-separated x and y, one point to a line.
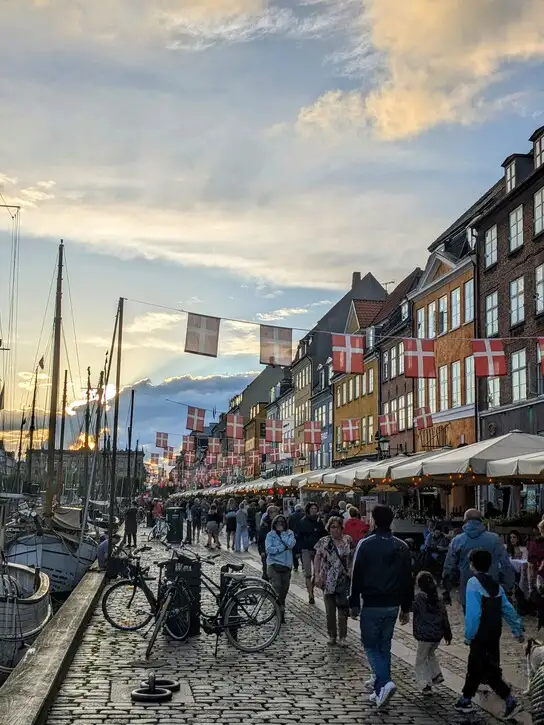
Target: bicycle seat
235	577
235	567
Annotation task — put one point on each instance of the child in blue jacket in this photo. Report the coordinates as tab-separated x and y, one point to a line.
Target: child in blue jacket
486	605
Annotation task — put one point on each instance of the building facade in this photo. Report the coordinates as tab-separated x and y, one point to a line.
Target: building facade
510	278
322	411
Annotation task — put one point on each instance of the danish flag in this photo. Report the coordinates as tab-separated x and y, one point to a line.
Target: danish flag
202	335
489	358
351	430
238	447
274	431
274	455
187	443
161	440
423	418
189	458
211	459
154	459
232	460
170	452
388	425
235	426
254	457
276	346
348	353
264	447
419	358
195	419
214	446
312	432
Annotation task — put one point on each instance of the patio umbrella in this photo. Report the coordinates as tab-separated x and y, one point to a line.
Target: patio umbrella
383	469
530	464
346	475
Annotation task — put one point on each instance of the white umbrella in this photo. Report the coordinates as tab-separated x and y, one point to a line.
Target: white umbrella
346	476
382	469
314	476
531	464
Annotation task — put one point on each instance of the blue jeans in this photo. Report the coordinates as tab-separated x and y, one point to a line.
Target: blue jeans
377	625
241	541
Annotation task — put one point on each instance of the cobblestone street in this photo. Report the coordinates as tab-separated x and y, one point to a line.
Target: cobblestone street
298	680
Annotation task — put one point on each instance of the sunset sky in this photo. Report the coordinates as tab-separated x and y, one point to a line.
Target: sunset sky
240	158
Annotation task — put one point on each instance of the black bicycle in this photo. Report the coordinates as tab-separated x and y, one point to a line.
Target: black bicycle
247	612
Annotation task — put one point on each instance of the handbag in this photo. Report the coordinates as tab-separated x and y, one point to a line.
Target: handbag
343	586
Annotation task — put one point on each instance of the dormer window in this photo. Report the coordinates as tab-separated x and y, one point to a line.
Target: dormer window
510	175
404	310
539	151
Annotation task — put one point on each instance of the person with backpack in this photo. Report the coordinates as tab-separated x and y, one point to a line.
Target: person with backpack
431	626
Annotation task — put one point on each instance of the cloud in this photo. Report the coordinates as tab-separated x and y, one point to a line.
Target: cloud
153	322
281	314
433	62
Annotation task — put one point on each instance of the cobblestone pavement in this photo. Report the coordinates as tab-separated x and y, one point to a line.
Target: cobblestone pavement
297	680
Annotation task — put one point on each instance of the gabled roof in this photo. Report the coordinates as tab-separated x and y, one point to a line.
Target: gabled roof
366	311
397	296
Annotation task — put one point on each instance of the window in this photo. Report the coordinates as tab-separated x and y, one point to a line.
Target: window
339	396
443	382
344	394
420	322
363	390
539	152
539	288
510	174
338	437
404	310
490	249
519	376
493	392
402	413
443	315
456	384
370	428
394	409
539	208
431	320
394	362
455	308
469	300
363	431
386	365
469	380
329	410
370	386
386	408
401	358
410	411
517	301
350	390
492	314
421	390
357	386
322	379
516	228
432	395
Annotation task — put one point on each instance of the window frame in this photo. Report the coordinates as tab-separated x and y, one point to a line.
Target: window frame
519	374
538	206
421	388
456	386
539	295
539	151
468	296
491	331
401	358
402	412
420	323
510	176
470	381
350	390
517	293
370	386
491	247
409	411
443	315
455	295
494	383
431	316
432	395
515	229
443	387
393	362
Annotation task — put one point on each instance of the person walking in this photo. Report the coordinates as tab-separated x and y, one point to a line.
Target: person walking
229	521
241	540
354	526
251	521
476	536
212	527
196	521
332	566
264	529
431	626
486	605
310	530
131	525
294	524
382	579
279	545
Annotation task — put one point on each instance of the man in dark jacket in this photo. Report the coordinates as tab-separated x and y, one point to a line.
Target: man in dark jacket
294	524
310	530
131	524
381	584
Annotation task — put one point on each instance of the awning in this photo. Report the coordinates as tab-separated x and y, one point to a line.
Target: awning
530	464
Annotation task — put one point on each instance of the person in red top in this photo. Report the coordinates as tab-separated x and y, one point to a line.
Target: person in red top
158	510
355	526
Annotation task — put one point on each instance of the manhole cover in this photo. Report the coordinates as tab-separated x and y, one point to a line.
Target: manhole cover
148	664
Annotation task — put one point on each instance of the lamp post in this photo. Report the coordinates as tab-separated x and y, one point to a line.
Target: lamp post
384	446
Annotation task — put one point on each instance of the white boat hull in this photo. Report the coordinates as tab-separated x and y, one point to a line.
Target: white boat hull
22	616
60	557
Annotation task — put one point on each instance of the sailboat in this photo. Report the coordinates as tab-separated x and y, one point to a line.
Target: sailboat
60	547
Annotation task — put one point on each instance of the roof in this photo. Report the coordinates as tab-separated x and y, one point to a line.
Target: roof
397	295
366	311
536	134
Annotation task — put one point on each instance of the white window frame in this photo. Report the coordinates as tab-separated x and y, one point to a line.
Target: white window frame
401	358
339	396
492	314
469	300
363	432
350	390
456	400
409	411
402	412
393	408
370	426
493	392
539	151
517	301
443	387
443	315
370	381
470	382
539	289
431	391
515	229
386	408
404	309
456	308
518	361
421	392
490	247
344	393
363	384
420	323
510	175
431	320
393	362
385	365
357	393
538	210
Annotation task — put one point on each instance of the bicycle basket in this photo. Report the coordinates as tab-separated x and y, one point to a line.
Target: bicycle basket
181	565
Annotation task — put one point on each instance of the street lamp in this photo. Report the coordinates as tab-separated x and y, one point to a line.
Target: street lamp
383	445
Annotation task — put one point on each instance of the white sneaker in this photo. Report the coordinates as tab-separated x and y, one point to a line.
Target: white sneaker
386	694
373	698
369	684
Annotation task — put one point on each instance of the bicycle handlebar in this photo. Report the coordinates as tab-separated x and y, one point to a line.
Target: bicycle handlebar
192	554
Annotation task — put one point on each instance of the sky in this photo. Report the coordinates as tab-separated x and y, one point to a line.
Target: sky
239	158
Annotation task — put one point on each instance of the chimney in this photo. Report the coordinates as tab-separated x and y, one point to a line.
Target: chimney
355	279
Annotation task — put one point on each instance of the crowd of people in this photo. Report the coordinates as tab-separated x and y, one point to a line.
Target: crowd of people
363	571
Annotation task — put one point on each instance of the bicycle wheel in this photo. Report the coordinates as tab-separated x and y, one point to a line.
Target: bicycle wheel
178	620
159	623
252	619
151	535
126	607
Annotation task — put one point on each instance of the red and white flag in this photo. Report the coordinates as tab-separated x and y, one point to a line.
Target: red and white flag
170	453
351	430
233	459
214	446
489	358
238	447
211	459
202	336
189	458
274	455
187	443
274	431
348	352
423	418
235	426
388	425
253	457
161	440
419	358
540	343
264	447
276	346
195	419
154	459
312	432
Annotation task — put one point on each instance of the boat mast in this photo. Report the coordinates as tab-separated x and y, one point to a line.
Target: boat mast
51	439
87	430
120	311
129	477
31	430
60	472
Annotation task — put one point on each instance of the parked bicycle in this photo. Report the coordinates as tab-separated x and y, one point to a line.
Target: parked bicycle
159	531
248	611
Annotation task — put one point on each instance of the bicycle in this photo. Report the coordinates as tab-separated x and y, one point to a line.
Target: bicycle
159	531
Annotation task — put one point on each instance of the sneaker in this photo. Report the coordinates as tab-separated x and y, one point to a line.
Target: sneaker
369	684
427	690
373	698
513	707
463	704
387	692
438	680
